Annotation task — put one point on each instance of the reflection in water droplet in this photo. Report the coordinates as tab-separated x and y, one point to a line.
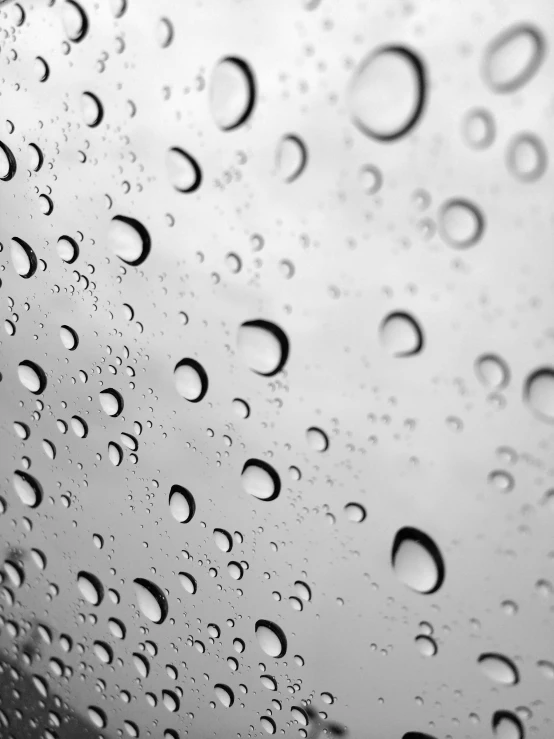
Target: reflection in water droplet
90	588
151	600
526	157
401	335
188	582
232	93
499	668
67	249
538	393
69	338
223	540
461	223
268	724
292	157
91	109
263	346
492	371
271	638
191	380
260	480
478	128
8	164
225	695
387	93
31	376
181	504
111	402
74	20
513	57
417	561
129	240
23	258
506	725
355	512
183	171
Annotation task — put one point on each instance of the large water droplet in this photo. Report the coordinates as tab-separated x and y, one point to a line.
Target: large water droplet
90	588
499	668
526	157
461	223
271	638
69	338
417	561
513	57
292	157
401	334
129	240
538	393
263	346
151	600
191	380
31	376
67	249
183	171
181	504
74	20
111	402
225	695
91	109
506	725
23	258
232	93
260	480
8	164
170	700
387	93
98	717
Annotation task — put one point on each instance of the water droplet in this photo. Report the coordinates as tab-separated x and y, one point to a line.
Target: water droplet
260	480
103	651
502	480
49	449
235	570
151	600
91	109
8	164
499	668
90	588
67	249
263	346
129	240
538	393
401	335
74	21
478	128
268	724
506	725
111	402
141	664
191	380
181	504
69	338
42	69
355	512
22	430
170	700
292	157
371	179
268	682
303	591
223	540
492	371
526	157
23	258
461	223
225	695
116	628
183	171
300	715
27	488
546	668
417	561
164	32
14	573
35	157
188	582
232	93
426	646
98	717
317	439
241	408
115	453
513	57
387	93
271	638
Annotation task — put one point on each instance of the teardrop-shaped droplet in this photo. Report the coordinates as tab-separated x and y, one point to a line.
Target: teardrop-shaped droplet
513	57
232	93
74	20
271	638
260	480
292	157
90	588
191	380
31	376
538	393
91	109
401	334
129	240
151	600
111	402
181	504
188	582
27	488
387	93
263	346
23	258
506	725
69	338
225	695
499	668
526	157
461	223
417	561
183	171
223	540
8	165
67	249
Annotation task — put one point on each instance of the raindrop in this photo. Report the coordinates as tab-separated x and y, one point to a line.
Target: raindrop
129	240
67	249
141	664
241	408
498	668
170	700
263	346
191	380
260	480
546	668
118	7
506	725
292	157
14	573
303	591
27	488
461	223
268	682
513	57
526	157
225	695
355	512
74	20
271	638
181	504
188	582
235	570
49	449
538	393
69	338
79	427
115	453
98	717
401	335
23	258
426	646
268	724
300	715
223	540
111	402
90	588
387	93
116	628
151	600
7	163
91	109
232	93
317	439
22	430
45	204
492	371
35	157
32	376
183	171
417	561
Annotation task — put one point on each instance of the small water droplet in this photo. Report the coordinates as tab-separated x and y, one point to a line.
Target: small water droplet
69	338
74	21
188	582
223	540
27	488
526	157
225	695
8	165
355	512
292	157
67	249
184	173
23	258
538	393
492	371
91	109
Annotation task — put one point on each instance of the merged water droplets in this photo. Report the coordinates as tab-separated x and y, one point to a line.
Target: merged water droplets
387	93
90	588
181	504
260	480
263	346
401	334
498	668
271	638
129	240
191	380
232	93
23	258
417	561
111	402
151	600
513	57
31	376
183	171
